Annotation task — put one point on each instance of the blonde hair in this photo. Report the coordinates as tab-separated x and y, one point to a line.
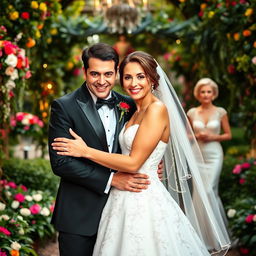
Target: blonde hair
206	81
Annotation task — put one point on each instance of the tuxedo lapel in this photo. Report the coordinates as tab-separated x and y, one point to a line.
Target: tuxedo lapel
88	107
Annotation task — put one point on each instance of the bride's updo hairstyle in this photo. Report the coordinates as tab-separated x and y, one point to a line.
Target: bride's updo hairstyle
206	81
146	61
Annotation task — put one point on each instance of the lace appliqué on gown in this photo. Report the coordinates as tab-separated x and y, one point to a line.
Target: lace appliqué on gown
149	223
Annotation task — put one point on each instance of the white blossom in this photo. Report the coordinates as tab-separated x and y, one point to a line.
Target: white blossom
8	193
231	213
15	204
45	211
25	121
19	217
37	197
11	60
4	217
10	84
14	74
21	231
2	206
28	198
15	246
25	212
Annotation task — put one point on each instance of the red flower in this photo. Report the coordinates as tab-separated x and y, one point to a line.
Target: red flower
124	107
35	208
244	250
242	181
231	69
19	197
249	218
245	165
25	15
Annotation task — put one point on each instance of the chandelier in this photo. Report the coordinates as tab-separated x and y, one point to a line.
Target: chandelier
121	16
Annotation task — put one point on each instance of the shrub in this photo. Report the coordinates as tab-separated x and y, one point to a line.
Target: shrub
33	173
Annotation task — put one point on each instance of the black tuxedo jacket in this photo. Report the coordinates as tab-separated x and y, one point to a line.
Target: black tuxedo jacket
81	198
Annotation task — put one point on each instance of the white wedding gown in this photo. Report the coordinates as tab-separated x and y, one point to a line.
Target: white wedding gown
212	153
149	223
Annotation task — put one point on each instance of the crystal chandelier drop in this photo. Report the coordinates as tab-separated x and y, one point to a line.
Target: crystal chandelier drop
121	16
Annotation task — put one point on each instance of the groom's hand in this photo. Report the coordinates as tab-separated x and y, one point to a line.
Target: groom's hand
130	182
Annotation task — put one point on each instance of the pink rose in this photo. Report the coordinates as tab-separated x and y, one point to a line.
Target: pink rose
19	197
5	231
249	218
19	116
40	123
13	122
51	208
35	208
24	188
2	253
9	48
26	128
254	60
28	74
237	169
245	165
11	184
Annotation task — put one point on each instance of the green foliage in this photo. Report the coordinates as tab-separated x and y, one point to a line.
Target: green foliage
33	173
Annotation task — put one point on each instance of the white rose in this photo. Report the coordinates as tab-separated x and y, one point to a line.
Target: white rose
4	217
25	121
10	84
25	212
45	211
21	231
15	204
19	217
8	193
231	213
37	197
15	246
14	74
28	198
2	206
11	60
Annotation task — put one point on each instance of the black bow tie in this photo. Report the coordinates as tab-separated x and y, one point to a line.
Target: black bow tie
109	102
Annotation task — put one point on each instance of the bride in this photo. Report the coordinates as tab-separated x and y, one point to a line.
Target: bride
152	222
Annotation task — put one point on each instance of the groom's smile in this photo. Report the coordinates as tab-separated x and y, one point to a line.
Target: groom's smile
100	77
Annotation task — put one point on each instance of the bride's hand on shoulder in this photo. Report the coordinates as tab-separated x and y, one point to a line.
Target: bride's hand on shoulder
70	147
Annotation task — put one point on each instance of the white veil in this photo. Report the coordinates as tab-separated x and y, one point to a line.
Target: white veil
185	176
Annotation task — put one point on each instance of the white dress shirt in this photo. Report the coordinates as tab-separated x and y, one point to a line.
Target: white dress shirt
108	119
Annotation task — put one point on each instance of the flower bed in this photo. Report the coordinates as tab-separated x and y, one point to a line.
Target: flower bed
24	216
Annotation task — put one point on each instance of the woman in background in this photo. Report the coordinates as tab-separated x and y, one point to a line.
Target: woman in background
211	126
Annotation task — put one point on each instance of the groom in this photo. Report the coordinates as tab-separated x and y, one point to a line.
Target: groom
92	112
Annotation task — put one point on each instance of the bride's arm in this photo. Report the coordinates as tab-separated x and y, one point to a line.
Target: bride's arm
148	135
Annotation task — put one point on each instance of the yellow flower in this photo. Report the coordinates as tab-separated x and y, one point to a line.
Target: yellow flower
248	12
69	65
49	40
10	6
203	6
1	43
228	35
34	5
14	15
54	31
211	14
43	7
236	36
38	34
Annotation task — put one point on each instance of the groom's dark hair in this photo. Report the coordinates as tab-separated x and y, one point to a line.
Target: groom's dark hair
100	51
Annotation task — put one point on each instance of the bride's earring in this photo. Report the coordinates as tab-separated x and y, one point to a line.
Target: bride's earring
152	88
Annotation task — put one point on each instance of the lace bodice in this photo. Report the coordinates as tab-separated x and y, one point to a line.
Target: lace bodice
126	138
214	122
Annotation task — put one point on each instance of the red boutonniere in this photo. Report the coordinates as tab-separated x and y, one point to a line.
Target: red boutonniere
124	107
